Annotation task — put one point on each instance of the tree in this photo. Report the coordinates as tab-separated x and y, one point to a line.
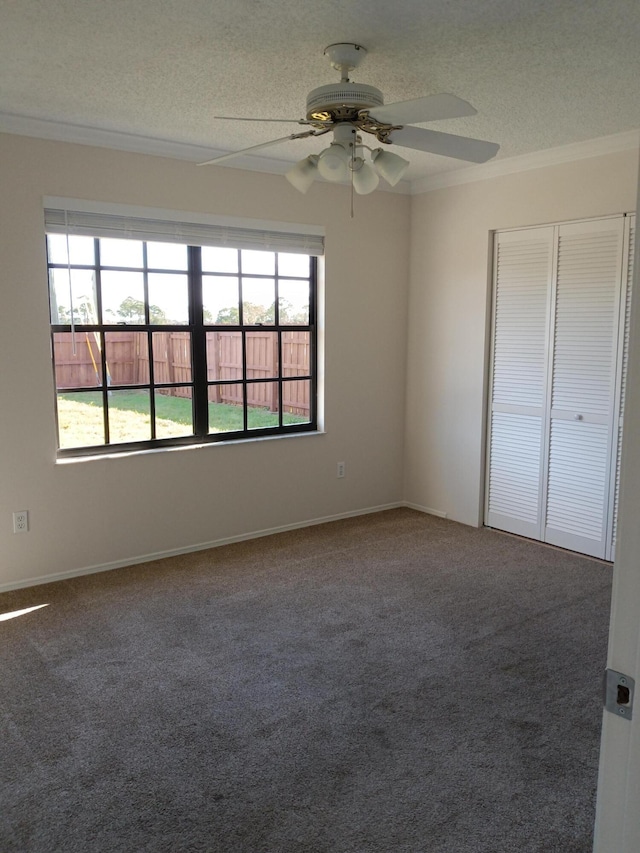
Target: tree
132	311
252	315
226	317
83	312
255	315
290	317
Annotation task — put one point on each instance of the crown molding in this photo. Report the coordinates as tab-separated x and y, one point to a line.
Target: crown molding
131	142
626	141
84	135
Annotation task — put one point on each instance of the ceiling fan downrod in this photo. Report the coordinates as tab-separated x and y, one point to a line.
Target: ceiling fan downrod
345	57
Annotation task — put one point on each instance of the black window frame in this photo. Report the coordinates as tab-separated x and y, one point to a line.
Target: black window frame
198	330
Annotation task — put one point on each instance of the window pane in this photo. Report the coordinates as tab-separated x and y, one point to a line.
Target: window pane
120	253
166	256
296	396
215	259
168	299
83	292
82	369
81	249
296	266
258	301
226	408
258	263
296	353
123	297
220	300
171	357
174	412
262	355
127	358
293	303
224	356
104	388
129	416
80	419
262	405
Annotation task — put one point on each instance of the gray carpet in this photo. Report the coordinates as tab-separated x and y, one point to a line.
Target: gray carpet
393	683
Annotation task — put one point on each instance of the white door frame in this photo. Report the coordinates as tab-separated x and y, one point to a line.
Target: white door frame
617	825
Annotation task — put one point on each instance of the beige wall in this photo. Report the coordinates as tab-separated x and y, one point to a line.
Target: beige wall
449	311
426	258
90	513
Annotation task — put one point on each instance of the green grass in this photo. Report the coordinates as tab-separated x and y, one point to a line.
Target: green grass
80	420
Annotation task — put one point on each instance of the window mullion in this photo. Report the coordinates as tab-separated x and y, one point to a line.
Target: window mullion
103	347
198	344
243	342
280	368
276	318
313	339
100	335
245	387
147	318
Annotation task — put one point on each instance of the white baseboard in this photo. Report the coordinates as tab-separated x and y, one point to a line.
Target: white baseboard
202	546
426	509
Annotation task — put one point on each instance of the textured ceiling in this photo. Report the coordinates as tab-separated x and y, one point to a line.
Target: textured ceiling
541	73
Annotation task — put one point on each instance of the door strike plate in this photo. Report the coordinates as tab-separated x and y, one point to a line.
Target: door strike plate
618	693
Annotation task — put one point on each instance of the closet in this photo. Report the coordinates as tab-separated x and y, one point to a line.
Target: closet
561	297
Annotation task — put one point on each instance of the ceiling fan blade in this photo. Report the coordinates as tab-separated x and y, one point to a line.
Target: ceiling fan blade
446	144
431	108
281	120
232	154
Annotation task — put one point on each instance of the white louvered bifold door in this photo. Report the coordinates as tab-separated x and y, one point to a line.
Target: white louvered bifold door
583	389
623	357
522	280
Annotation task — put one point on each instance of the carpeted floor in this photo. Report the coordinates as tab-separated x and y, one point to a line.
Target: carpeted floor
393	683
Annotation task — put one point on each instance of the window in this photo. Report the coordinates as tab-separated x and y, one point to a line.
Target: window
160	343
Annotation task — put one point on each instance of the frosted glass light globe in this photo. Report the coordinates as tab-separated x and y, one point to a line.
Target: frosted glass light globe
333	163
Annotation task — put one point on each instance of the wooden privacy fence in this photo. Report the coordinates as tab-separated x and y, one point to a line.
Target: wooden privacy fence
127	358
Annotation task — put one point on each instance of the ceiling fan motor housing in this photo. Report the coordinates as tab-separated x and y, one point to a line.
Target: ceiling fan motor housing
342	100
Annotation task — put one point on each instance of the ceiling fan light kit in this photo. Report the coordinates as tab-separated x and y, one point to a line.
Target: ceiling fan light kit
389	166
349	110
304	173
333	163
365	178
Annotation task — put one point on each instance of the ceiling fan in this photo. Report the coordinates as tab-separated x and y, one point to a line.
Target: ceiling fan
353	110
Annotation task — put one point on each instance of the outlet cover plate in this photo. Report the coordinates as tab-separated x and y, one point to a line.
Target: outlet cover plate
21	521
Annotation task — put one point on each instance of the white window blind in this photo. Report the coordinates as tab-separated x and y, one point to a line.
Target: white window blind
92	224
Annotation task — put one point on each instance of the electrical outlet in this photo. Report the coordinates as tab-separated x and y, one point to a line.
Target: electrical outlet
341	469
21	521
